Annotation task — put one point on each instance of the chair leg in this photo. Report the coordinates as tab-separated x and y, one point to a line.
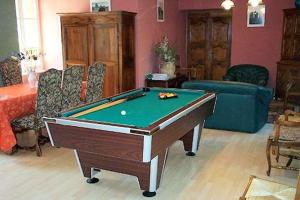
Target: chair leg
268	153
37	145
277	155
289	161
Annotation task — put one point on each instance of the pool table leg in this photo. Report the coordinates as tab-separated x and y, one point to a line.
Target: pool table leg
148	173
152	182
191	140
87	171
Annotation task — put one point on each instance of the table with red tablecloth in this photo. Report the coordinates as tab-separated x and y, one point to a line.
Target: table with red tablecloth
15	101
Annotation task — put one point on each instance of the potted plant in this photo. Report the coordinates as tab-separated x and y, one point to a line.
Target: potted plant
167	56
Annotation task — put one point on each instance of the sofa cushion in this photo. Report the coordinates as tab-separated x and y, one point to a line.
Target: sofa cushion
231	87
248	73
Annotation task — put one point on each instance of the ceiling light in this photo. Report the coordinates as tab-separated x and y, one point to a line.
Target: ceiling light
254	3
227	4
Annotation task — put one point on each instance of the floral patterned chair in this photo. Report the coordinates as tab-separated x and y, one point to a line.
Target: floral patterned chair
95	82
285	141
49	99
11	71
71	87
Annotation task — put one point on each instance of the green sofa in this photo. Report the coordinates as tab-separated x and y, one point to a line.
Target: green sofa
239	107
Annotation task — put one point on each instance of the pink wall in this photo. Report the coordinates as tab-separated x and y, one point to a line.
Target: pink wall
252	45
148	30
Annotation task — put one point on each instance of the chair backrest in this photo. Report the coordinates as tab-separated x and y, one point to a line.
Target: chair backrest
1	78
11	72
95	82
248	73
49	95
71	87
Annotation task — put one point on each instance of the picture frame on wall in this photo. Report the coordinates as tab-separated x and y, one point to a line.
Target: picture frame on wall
256	16
100	5
160	11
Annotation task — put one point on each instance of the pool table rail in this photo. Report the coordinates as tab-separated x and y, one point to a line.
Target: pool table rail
128	129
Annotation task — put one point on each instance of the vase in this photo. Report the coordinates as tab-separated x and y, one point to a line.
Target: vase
297	3
168	68
32	79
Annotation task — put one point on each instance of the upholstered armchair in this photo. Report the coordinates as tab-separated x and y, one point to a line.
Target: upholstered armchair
248	73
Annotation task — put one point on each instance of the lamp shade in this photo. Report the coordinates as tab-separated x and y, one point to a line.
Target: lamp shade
227	4
254	3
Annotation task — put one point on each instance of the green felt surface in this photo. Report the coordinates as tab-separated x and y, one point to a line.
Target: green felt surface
143	111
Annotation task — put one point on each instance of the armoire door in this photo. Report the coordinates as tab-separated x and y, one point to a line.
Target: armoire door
209	42
197	40
104	49
220	44
75	45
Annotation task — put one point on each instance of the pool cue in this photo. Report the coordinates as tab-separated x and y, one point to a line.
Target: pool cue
107	105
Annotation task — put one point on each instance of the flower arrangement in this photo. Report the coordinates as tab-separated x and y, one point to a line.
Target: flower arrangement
30	57
165	52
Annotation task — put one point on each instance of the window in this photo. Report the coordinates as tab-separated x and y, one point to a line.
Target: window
28	27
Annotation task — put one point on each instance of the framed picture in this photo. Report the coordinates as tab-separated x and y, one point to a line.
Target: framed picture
100	5
256	16
160	11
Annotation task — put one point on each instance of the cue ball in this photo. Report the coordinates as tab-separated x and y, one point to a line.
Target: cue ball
123	112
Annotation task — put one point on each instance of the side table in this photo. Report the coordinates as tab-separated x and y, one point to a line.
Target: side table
170	83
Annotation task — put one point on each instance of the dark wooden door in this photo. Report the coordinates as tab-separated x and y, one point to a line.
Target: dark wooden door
197	40
209	42
75	45
104	43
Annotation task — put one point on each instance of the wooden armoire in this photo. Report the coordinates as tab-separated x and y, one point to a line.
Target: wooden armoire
209	42
106	37
289	65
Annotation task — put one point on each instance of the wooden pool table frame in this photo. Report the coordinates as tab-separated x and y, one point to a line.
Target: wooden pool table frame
129	150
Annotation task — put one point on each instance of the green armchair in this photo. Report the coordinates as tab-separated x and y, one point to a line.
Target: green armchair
248	73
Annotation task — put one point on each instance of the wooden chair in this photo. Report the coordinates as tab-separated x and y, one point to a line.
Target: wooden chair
71	87
266	190
95	82
11	71
285	141
49	99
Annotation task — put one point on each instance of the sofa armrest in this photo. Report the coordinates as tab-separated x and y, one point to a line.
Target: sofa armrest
265	95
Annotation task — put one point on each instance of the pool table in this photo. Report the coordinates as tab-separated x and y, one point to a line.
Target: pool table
132	135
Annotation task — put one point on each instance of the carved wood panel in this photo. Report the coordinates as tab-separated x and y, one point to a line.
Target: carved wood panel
104	42
289	65
209	42
297	26
197	42
76	47
289	25
221	45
